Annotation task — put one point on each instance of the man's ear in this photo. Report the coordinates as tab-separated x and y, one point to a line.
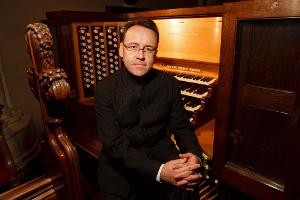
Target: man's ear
121	50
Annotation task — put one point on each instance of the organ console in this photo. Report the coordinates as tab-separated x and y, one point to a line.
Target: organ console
92	47
249	79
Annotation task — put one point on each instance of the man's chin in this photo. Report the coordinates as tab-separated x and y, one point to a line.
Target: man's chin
140	72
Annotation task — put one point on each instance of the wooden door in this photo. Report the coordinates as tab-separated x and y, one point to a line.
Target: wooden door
257	139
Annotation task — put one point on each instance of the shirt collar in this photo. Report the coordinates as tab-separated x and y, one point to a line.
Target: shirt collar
139	80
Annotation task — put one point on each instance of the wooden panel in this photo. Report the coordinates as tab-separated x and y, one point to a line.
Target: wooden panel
81	127
259	144
257	123
196	39
268	98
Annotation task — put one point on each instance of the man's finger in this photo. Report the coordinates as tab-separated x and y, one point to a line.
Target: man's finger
181	183
179	161
185	155
178	165
188	167
183	175
193	178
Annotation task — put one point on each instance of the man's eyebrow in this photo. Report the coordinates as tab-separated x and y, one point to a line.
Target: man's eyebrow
131	43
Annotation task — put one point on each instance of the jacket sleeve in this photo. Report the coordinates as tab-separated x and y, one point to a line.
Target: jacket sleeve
117	147
179	124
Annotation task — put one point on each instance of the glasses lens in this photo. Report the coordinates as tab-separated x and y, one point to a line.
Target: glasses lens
135	49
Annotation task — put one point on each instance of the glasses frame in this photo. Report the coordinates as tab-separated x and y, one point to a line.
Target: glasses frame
151	52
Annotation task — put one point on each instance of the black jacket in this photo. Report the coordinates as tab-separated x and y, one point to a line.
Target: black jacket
135	116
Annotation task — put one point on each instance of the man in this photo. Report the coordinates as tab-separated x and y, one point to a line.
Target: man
137	109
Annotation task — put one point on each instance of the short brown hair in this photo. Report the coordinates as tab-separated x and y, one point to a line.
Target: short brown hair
147	23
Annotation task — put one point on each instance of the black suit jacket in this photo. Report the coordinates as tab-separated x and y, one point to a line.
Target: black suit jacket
135	116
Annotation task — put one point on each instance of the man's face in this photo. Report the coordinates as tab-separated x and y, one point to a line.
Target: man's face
138	62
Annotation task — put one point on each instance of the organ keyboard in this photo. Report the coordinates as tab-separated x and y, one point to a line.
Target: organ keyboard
195	79
197	86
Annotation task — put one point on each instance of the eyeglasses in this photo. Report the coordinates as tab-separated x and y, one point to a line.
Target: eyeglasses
134	48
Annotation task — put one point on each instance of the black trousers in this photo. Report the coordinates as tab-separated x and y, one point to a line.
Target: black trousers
114	185
159	191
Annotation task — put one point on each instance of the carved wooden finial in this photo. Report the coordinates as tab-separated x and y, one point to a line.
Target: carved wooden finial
42	38
51	81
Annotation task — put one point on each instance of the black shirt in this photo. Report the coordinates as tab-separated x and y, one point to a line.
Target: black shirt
135	116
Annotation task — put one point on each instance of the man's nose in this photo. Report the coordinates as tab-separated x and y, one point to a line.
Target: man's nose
141	54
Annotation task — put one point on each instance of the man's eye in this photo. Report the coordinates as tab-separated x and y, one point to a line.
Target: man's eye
133	47
148	49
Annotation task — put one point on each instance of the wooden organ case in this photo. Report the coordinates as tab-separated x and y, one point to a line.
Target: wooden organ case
257	124
88	49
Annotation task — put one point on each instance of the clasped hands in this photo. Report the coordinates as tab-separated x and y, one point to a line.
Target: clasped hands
182	172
